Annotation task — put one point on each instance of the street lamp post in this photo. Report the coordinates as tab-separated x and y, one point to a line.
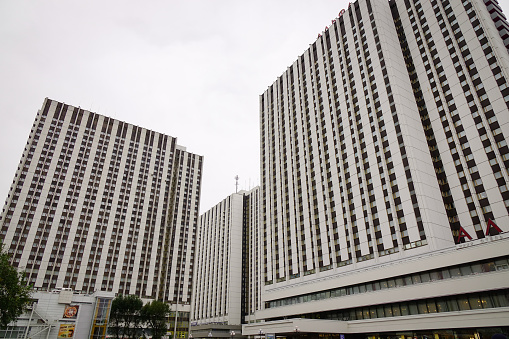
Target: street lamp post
210	334
260	333
232	334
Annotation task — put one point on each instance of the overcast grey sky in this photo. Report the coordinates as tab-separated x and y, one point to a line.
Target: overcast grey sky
192	69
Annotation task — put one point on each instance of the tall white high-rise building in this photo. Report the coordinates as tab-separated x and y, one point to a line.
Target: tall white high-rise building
384	173
217	292
227	269
98	204
254	250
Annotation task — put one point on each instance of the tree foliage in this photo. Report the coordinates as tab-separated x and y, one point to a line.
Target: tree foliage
125	317
129	318
154	315
14	291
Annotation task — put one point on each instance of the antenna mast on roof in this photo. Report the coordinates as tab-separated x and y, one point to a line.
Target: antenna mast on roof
236	183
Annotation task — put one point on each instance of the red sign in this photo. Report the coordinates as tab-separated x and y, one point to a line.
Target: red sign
339	16
491	224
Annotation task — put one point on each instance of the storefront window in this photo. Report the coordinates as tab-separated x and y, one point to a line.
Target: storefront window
359	314
416	278
475	303
395	310
463	304
391	283
486	302
501	264
452	305
501	300
446	274
432	308
436	275
466	270
423	308
404	309
352	315
412	307
388	311
489	267
442	306
476	268
455	272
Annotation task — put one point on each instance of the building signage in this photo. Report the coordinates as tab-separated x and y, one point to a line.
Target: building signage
491	224
66	331
71	311
339	16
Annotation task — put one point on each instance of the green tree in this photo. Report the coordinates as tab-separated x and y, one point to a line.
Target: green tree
14	291
125	317
154	315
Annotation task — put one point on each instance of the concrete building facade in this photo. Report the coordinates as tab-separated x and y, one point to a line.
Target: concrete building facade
63	314
383	152
253	247
98	204
227	287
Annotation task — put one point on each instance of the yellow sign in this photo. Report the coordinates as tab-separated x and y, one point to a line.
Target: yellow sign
66	331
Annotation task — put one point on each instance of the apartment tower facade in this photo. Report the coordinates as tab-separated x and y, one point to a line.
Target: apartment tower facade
227	272
384	152
98	204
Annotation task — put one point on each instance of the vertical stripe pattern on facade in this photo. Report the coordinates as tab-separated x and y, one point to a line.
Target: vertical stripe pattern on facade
88	207
227	262
368	138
